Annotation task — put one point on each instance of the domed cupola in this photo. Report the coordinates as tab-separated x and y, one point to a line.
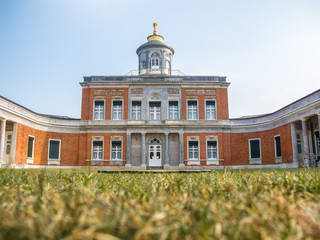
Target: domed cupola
155	56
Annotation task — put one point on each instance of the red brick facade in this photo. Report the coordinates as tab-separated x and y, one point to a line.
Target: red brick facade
76	148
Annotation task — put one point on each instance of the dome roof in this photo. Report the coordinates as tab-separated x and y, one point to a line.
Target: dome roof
154	43
154	40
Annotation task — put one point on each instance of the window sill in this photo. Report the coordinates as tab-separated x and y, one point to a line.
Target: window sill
96	162
278	159
54	161
213	161
30	160
193	162
255	161
101	161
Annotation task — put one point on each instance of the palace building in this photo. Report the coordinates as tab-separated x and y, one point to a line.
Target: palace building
159	118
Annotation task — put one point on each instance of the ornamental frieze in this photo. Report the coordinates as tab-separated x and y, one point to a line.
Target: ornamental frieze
109	91
201	91
136	91
173	91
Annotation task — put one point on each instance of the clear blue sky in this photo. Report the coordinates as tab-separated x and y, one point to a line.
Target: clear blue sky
268	49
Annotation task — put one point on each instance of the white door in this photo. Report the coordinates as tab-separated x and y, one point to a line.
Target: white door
7	148
154	155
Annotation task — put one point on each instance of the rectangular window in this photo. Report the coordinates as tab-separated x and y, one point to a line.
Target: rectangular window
155	109
193	150
136	110
277	144
116	153
54	149
210	110
173	110
254	148
30	146
299	144
98	110
117	110
97	150
212	152
192	110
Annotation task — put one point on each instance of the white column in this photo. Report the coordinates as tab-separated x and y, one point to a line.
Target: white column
181	160
166	151
128	158
319	123
306	160
143	150
294	145
2	138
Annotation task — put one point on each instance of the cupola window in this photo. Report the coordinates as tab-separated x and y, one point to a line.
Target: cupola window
154	62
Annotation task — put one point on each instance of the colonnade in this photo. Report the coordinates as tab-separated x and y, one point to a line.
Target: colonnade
308	158
143	149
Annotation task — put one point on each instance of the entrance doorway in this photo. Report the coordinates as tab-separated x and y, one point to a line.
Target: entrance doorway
155	153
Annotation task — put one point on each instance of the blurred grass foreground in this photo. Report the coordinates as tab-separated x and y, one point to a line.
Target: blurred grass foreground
231	204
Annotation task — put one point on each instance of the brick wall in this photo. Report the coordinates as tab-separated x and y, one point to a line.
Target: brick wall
86	147
223	146
221	98
88	97
69	146
240	146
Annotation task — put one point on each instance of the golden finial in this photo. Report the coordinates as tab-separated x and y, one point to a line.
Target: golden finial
155	36
155	26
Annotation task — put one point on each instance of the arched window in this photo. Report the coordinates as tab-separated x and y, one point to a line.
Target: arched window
154	62
154	141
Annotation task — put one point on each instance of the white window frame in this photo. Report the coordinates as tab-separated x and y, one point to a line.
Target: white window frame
97	154
53	160
153	60
149	110
178	112
277	159
255	160
94	108
299	142
117	100
192	100
132	109
215	108
121	151
31	159
194	161
212	160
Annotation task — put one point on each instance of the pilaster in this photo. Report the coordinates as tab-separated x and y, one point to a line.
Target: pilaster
128	158
319	121
166	150
2	138
143	150
294	144
181	161
305	142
